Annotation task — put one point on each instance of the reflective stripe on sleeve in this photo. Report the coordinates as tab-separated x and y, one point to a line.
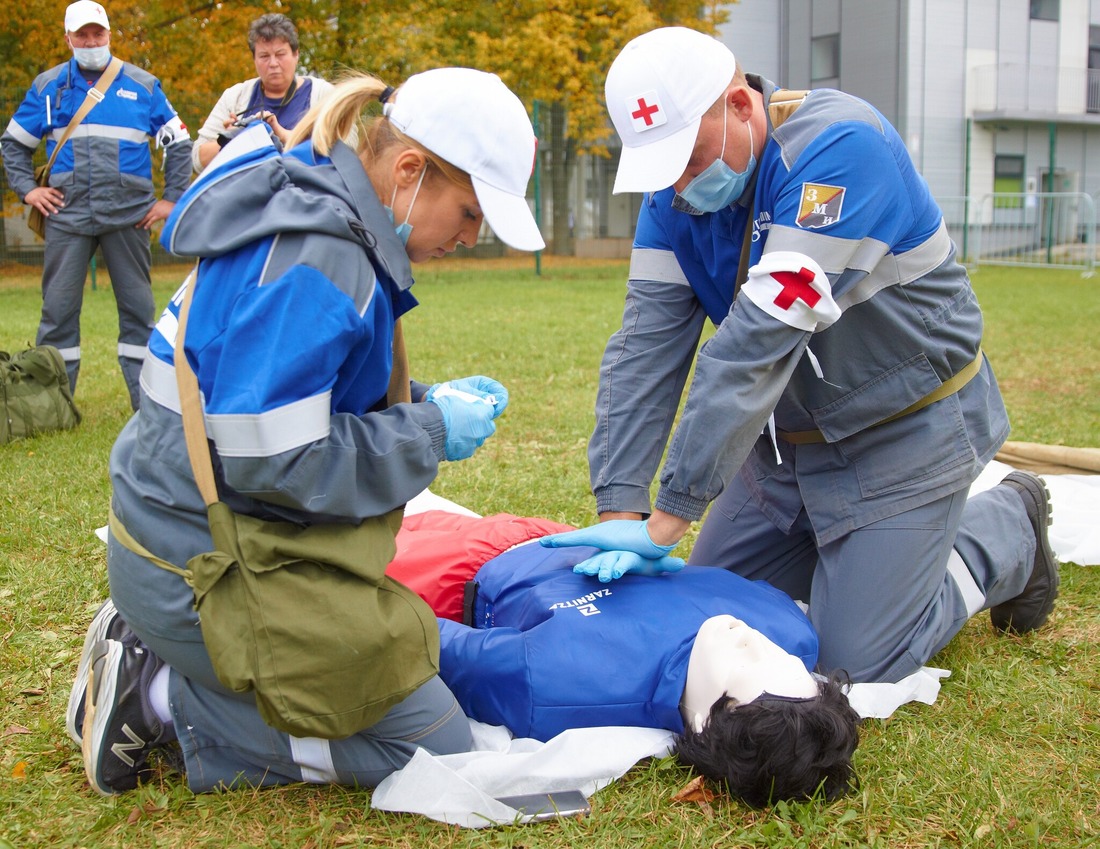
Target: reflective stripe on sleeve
273	432
246	435
656	265
158	379
882	269
22	136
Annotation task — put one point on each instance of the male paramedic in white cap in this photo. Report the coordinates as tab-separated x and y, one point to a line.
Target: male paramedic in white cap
843	406
100	193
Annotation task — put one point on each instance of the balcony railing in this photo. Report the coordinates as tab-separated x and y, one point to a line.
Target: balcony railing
1009	87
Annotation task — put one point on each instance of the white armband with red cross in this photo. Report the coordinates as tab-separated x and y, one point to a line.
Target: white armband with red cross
793	288
172	132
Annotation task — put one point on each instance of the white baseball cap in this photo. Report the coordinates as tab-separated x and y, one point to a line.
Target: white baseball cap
474	121
84	12
657	90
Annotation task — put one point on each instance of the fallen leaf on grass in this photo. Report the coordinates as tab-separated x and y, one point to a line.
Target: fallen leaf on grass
695	791
143	810
16	729
32	691
19	771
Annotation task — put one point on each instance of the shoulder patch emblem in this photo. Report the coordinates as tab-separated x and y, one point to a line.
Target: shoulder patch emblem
820	205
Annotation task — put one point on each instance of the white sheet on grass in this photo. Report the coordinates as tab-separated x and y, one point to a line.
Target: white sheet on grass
460	789
1075	505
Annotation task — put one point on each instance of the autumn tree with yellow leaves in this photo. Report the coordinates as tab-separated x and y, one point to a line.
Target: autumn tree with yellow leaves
555	52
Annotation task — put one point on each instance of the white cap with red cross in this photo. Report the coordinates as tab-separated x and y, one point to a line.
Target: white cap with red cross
84	12
657	90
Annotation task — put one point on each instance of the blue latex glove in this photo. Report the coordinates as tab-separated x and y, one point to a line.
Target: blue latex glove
615	535
468	420
479	386
610	565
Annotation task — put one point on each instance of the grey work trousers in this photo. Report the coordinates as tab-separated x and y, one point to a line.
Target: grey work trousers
885	597
127	255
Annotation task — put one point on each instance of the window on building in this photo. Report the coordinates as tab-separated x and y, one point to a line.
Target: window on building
825	58
1008	178
1094	70
1044	10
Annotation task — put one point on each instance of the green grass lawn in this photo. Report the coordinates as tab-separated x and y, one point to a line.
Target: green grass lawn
1009	755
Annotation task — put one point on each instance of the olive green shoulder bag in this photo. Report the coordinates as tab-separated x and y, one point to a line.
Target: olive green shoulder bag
305	616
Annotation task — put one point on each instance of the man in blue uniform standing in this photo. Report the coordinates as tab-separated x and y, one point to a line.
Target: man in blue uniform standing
100	192
843	406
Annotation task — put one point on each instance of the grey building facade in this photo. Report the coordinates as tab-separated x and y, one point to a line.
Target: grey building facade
991	96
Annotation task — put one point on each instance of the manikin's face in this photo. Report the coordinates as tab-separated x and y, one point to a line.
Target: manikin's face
730	658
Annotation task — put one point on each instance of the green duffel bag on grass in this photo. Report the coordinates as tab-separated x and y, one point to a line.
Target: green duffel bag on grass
34	394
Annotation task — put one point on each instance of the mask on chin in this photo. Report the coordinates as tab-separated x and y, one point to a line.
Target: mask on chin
404	229
92	58
719	185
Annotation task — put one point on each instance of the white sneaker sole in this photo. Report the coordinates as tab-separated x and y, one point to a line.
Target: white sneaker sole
92	736
96	631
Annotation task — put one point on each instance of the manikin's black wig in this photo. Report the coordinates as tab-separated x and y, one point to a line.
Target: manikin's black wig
775	749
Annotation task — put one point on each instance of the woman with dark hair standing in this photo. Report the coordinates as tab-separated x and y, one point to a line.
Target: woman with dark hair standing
277	94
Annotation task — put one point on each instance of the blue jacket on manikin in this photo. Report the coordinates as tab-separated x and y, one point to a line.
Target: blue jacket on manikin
553	650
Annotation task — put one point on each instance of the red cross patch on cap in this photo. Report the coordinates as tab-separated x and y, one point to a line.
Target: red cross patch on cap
646	111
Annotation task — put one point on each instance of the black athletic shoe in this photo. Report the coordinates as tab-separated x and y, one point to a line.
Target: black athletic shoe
1031	608
120	728
106	625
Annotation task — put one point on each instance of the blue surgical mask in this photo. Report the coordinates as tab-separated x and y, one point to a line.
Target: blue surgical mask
718	185
404	229
93	58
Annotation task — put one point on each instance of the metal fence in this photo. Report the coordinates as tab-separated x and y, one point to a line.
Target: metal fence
1056	229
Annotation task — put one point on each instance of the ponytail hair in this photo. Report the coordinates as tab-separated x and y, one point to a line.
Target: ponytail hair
339	116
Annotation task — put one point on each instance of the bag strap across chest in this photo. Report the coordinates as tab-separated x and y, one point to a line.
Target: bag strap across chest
94	96
781	106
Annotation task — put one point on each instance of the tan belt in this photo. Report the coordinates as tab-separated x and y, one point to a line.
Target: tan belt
948	387
119	532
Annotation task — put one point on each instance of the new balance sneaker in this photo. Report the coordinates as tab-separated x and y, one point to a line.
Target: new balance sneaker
120	727
1031	608
106	625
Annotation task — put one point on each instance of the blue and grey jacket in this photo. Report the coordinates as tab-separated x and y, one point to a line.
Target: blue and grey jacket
835	184
105	169
299	280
